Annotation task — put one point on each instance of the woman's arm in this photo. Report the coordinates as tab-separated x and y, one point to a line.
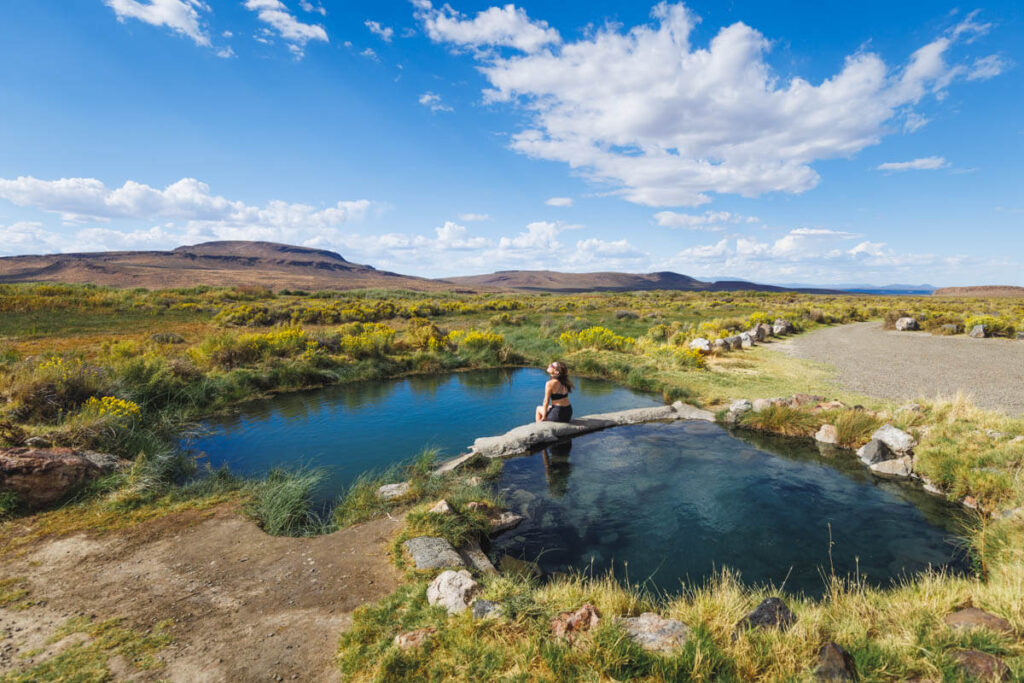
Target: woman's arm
547	395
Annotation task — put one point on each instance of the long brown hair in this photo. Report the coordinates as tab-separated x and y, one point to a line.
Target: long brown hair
562	374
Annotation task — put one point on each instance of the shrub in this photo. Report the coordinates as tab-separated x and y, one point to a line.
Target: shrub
598	338
689	358
423	334
478	341
366	340
994	327
110	406
229	351
626	315
57	385
246	315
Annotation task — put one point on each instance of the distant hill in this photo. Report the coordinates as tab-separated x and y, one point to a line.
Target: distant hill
986	290
281	266
212	263
553	281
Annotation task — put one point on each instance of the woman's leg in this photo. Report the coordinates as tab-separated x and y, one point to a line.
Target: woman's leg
539	415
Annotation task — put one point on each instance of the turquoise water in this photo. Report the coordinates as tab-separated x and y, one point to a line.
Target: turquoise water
351	428
670	503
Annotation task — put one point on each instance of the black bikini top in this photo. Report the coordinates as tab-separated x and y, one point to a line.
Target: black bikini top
559	397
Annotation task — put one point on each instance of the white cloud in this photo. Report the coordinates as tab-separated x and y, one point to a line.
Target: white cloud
507	26
540	235
386	33
471	217
181	16
275	14
369	53
432	101
666	122
559	201
81	199
988	67
923	164
711	221
310	7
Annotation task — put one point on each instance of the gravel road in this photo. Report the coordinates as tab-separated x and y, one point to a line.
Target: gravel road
909	365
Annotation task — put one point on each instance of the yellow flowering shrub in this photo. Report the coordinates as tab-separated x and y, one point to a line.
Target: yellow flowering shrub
111	406
598	338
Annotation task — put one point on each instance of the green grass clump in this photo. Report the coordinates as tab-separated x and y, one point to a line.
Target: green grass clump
282	503
784	420
854	427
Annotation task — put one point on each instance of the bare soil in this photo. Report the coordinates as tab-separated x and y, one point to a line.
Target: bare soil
245	606
909	365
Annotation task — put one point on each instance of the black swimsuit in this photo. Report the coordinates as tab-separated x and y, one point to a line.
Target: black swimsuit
559	413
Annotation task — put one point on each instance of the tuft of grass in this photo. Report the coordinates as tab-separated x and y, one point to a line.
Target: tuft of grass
854	427
13	592
782	420
281	504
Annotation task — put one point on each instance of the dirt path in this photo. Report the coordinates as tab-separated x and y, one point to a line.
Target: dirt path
245	606
909	365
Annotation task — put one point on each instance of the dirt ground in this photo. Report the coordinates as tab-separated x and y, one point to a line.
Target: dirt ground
245	606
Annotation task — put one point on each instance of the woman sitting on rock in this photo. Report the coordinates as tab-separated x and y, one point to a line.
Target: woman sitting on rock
556	407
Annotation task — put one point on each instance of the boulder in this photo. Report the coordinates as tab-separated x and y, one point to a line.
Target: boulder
453	590
761	404
972	617
393	491
741	406
800	400
1019	335
747	340
978	332
485	609
874	451
827	434
907	325
897	468
505	521
430	552
569	624
757	332
700	344
771	613
719	345
897	440
834	664
981	666
41	477
735	342
654	633
782	327
413	639
475	558
441	507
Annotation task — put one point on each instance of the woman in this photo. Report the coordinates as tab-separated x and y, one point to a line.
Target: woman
556	407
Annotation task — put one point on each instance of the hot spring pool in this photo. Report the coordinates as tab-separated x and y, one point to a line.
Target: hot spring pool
671	503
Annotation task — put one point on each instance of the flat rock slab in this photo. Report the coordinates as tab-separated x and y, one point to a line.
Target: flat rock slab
655	633
527	437
475	557
972	617
430	552
897	468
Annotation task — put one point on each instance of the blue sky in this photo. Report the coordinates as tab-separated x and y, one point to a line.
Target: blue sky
871	142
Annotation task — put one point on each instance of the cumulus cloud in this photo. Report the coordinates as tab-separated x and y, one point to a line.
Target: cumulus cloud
433	102
386	33
923	164
666	122
711	221
181	16
82	199
507	26
559	201
275	14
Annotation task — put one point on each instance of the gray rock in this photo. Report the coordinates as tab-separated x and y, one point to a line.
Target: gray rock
766	329
834	664
505	521
782	326
995	434
700	344
981	666
897	468
475	558
720	345
757	332
978	332
874	451
655	633
735	342
972	617
950	328
485	609
684	411
762	404
827	434
393	491
741	406
907	325
430	552
453	590
747	340
898	441
771	613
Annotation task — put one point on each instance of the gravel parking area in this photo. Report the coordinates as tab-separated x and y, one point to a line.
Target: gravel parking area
909	365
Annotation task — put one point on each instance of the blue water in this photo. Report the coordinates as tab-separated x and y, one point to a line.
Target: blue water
352	428
669	503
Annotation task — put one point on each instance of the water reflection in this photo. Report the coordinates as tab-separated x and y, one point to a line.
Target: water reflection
557	467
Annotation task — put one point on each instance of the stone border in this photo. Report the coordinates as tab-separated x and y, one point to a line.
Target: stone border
528	437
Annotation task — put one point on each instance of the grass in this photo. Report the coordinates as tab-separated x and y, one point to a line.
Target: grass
281	504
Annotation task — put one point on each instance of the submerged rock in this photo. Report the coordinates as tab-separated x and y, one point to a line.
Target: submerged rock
655	633
834	664
431	552
505	521
771	613
453	590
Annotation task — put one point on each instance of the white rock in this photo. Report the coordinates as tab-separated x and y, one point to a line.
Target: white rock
453	590
700	344
441	507
393	491
655	633
897	440
741	406
761	404
900	468
906	325
827	434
